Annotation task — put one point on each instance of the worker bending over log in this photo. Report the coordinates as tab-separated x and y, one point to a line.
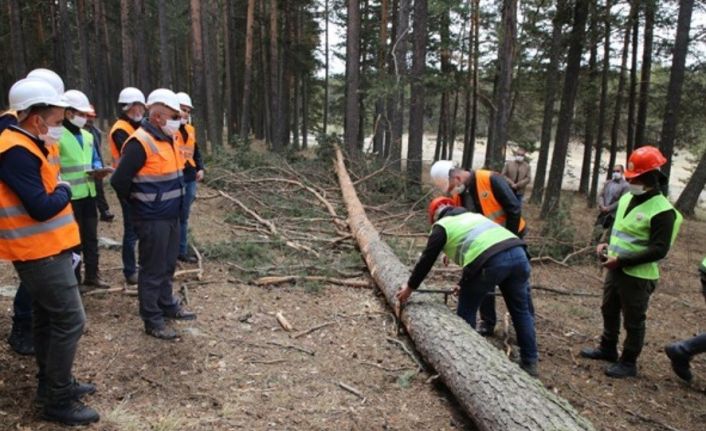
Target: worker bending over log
490	256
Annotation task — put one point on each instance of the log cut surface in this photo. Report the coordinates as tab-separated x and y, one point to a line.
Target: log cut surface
495	393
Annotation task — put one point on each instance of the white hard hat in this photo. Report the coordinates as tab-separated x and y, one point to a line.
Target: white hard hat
29	92
78	101
49	76
439	174
164	96
130	95
185	99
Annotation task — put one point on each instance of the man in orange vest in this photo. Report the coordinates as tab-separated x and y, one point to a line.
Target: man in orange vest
488	193
37	233
149	177
132	104
193	172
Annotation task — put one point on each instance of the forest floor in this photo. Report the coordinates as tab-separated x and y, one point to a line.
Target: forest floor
237	368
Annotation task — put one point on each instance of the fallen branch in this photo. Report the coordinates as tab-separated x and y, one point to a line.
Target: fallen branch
283	322
187	272
98	292
552	260
199	260
272	280
312	329
563	292
292	347
352	390
409	353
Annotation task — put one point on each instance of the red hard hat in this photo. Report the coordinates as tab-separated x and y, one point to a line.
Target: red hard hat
438	203
644	159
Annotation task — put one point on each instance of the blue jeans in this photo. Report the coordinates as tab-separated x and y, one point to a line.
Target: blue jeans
510	270
22	307
129	241
189	197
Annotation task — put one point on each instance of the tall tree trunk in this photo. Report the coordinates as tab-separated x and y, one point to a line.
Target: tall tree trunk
590	104
632	96
552	195
550	88
101	67
676	79
127	49
689	197
198	88
165	68
400	53
112	84
87	84
380	122
277	117
646	72
416	101
247	73
503	100
67	50
229	99
19	63
139	44
326	66
391	71
602	110
352	122
305	113
469	90
214	115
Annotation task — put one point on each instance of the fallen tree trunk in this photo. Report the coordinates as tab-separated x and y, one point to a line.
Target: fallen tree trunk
495	393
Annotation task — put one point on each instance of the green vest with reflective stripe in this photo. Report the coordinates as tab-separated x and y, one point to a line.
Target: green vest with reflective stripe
631	232
468	235
703	265
75	162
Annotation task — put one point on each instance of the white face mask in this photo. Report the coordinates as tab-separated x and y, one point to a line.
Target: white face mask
53	133
78	121
136	118
617	176
637	189
171	127
184	121
519	158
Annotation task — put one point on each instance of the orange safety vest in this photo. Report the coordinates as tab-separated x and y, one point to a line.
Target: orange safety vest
490	206
23	238
119	125
188	147
158	187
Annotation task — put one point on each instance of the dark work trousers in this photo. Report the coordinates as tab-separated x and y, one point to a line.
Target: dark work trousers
158	249
101	202
630	296
86	216
22	307
58	320
129	241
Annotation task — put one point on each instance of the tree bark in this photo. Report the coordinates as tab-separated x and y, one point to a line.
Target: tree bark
19	63
247	73
88	85
139	43
214	115
503	100
67	50
276	126
198	89
632	96
550	89
552	195
165	69
473	370
326	67
417	93
127	50
352	120
676	79
470	142
399	48
590	103
646	73
689	197
380	121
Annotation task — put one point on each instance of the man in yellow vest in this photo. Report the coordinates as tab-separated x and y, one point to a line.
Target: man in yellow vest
132	106
681	353
490	256
79	163
646	225
37	233
149	176
193	172
488	193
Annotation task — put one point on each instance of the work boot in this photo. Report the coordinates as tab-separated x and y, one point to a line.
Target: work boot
530	368
485	329
131	279
21	339
600	353
187	258
72	412
78	391
163	333
107	217
680	361
620	370
182	314
96	283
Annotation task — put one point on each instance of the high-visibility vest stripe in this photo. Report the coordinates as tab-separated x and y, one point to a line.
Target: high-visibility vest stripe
126	127
13	211
155	178
41	227
468	235
489	205
76	160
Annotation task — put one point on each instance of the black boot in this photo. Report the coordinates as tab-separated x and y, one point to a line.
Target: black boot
680	361
78	391
485	329
72	412
620	370
601	352
21	339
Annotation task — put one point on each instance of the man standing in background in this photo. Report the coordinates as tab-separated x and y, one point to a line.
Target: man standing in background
518	173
